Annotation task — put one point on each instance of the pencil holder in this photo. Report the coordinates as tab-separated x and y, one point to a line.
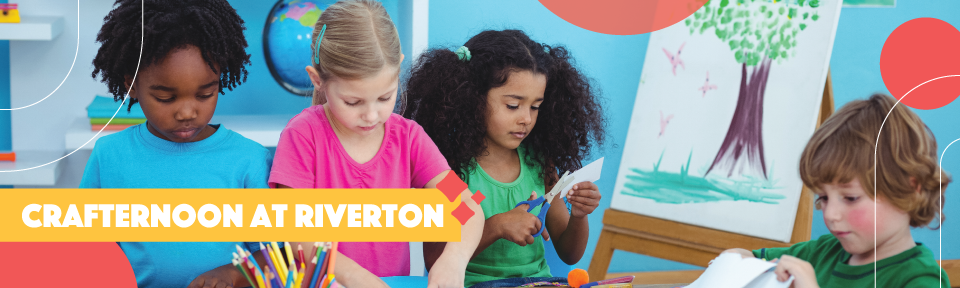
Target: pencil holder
9	13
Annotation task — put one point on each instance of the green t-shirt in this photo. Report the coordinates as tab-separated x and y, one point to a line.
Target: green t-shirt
915	267
505	259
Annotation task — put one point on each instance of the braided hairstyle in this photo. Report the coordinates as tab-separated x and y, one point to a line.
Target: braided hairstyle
213	26
448	97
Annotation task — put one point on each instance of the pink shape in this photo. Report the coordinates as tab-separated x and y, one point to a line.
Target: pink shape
707	86
918	51
664	122
68	264
675	59
296	12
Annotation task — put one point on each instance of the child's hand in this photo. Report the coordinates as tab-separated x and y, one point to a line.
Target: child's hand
221	277
802	272
583	198
518	225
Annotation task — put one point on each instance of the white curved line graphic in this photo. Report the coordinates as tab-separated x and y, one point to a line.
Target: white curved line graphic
875	178
940	219
114	113
68	72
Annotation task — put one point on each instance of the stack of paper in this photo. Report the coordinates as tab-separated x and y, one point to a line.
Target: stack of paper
102	109
731	270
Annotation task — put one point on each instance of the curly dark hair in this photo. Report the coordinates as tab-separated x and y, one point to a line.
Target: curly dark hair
168	25
448	97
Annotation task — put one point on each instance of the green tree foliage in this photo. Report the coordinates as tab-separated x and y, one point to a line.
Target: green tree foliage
755	29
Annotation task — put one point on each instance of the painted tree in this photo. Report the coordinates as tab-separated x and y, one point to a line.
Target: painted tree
758	33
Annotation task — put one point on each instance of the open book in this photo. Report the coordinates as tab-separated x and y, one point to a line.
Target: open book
731	270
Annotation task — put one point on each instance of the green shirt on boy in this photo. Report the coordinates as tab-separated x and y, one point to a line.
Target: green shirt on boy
915	267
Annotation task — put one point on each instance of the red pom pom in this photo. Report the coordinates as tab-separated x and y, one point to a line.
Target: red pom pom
578	277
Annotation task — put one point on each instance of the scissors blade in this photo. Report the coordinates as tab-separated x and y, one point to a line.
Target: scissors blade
563	182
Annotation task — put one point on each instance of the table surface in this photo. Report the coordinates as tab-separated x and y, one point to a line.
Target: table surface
415	281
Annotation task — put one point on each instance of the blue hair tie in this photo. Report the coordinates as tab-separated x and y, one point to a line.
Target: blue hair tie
316	56
463	53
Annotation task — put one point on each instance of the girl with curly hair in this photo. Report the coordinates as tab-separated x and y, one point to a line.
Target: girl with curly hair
508	114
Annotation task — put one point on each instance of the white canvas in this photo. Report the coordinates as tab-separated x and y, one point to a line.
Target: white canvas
684	109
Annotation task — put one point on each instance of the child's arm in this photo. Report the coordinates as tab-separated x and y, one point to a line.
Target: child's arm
224	276
351	274
220	277
451	264
571	230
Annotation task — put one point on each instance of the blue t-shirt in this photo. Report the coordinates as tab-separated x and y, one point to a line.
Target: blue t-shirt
135	158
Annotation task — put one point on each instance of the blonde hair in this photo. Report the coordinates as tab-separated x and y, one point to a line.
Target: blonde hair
841	150
359	41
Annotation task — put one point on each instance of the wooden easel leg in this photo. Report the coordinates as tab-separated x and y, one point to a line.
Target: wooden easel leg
601	256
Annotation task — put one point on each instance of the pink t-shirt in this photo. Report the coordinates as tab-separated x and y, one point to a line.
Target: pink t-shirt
309	155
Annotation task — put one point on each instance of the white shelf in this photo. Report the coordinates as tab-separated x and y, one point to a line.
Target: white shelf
264	129
43	28
46	175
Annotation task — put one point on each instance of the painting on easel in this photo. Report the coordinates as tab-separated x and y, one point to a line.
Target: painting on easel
727	100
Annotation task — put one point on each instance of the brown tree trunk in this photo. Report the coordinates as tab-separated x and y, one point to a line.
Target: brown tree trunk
742	148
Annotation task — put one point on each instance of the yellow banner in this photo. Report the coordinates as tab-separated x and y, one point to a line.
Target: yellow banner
301	215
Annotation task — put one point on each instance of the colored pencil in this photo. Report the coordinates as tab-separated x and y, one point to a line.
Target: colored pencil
278	281
300	252
290	258
278	265
321	247
270	277
618	280
252	269
333	260
313	276
315	251
259	276
300	274
249	273
290	277
307	262
333	279
317	265
281	264
249	256
325	259
322	280
267	257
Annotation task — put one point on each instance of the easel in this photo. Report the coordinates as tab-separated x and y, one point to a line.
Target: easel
687	243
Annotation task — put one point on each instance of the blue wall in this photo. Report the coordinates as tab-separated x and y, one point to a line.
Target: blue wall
615	63
856	74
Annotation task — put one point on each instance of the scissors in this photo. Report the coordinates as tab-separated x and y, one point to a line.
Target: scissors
546	199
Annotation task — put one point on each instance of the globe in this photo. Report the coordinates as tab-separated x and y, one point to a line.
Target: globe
286	42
